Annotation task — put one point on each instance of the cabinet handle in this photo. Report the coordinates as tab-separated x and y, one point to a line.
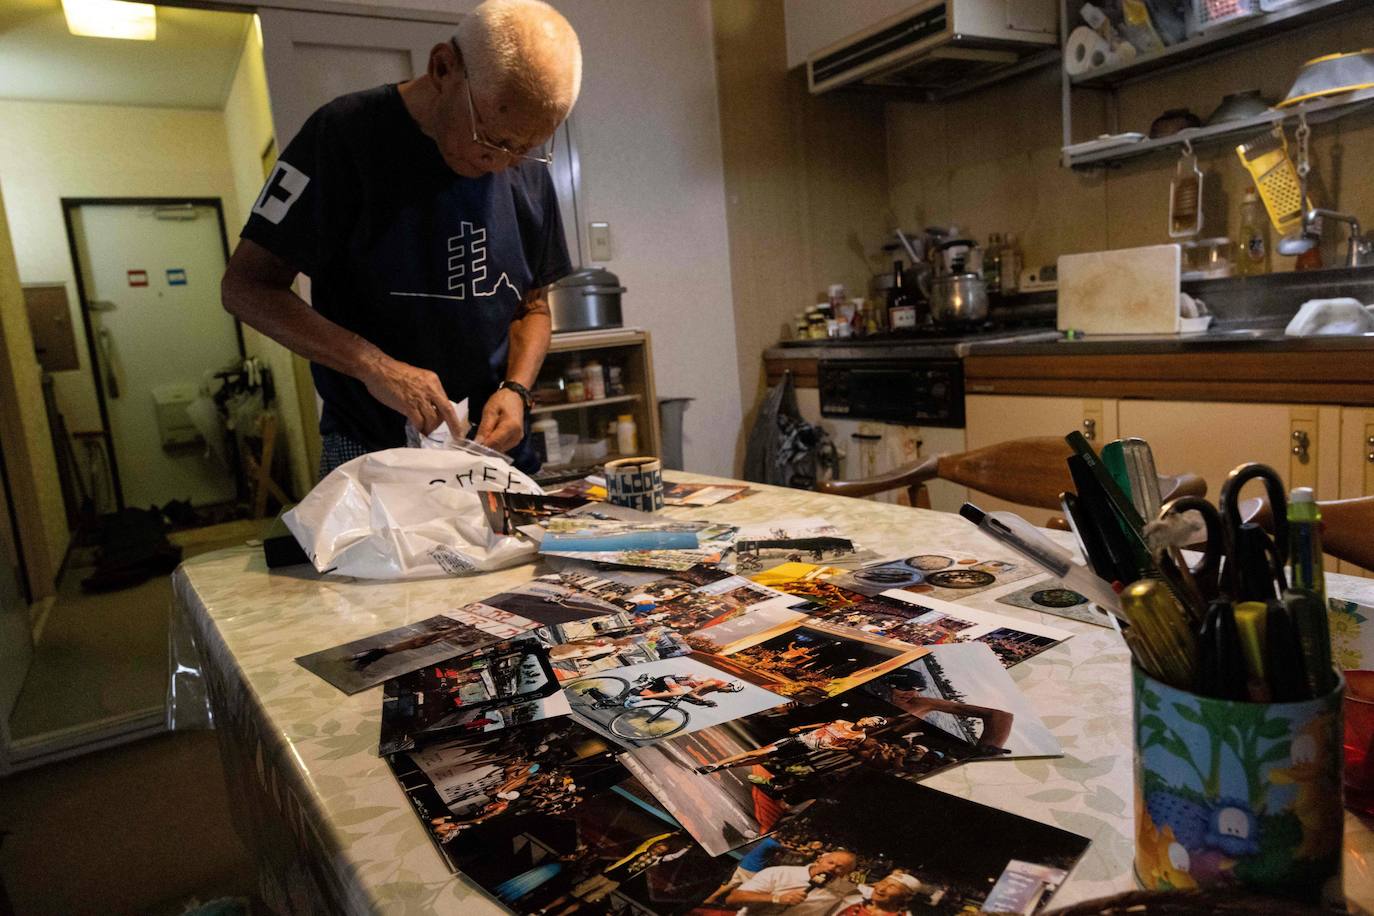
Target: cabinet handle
1300	445
1090	429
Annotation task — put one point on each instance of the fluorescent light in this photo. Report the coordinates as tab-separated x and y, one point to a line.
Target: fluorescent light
111	19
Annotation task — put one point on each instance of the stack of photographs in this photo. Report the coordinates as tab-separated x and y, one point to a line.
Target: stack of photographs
619	737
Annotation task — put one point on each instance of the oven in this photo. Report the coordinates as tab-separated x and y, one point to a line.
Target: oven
915	391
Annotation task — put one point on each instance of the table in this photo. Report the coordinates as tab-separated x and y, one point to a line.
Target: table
335	834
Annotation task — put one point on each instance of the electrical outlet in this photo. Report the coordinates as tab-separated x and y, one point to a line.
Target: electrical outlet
600	240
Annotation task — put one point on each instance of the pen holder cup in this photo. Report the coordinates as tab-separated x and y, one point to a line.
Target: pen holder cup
1231	793
636	483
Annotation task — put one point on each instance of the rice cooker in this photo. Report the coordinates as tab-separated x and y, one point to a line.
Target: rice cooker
586	300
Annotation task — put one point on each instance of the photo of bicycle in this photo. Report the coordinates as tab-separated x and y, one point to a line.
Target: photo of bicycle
640	704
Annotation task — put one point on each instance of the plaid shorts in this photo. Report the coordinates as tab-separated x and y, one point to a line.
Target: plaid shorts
336	450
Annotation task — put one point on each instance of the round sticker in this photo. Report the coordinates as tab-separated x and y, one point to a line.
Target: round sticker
928	561
1057	597
887	576
961	578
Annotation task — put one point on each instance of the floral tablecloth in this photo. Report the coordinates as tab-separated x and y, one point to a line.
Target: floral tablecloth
335	834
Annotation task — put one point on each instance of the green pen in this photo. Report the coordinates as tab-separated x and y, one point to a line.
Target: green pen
1305	542
1250	619
1308	614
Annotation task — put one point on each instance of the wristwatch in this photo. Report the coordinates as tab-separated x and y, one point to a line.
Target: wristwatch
520	390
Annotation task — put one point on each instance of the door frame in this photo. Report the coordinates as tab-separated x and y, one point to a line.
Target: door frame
69	206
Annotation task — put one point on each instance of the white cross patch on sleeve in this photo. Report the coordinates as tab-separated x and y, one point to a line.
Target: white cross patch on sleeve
282	190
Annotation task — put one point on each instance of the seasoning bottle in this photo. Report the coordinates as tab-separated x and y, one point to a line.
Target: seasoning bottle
992	263
901	310
615	384
1009	266
1253	255
595	380
626	435
577	384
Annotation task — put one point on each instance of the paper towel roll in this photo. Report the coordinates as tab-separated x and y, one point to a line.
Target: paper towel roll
1085	51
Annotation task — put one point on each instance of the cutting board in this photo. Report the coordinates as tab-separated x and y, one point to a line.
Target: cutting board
1127	291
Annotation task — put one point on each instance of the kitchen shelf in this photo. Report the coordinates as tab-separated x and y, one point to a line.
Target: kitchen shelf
1317	110
1230	35
582	405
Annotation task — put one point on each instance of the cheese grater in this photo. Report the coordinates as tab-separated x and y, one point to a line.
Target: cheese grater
1266	159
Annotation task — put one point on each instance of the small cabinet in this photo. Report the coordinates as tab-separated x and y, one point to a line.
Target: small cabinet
582	423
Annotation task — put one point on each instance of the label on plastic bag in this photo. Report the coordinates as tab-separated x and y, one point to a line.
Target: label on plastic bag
452	562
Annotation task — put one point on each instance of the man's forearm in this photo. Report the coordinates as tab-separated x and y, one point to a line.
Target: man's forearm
283	316
530	334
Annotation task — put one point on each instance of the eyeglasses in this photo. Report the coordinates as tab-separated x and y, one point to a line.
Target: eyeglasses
483	141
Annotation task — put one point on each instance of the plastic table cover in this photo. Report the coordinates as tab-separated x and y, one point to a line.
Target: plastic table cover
334	833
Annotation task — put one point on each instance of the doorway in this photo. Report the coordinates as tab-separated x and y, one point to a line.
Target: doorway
147	275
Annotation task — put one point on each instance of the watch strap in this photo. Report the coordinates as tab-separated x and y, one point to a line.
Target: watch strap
519	389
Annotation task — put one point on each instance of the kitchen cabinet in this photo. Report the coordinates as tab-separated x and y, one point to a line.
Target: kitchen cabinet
1356	464
587	419
989	419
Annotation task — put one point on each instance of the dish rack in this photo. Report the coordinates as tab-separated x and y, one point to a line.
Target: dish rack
1208	14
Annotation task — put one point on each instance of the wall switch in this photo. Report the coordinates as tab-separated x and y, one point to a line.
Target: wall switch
600	240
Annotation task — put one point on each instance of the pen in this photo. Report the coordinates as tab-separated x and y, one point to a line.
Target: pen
1221	668
1305	542
1021	536
1284	655
1307	612
1250	620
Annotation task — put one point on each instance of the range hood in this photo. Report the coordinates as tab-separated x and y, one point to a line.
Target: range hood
938	48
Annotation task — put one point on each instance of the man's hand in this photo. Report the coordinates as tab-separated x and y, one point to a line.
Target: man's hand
416	394
793	897
503	421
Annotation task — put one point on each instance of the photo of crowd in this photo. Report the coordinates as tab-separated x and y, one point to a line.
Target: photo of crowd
465	694
730	784
546	768
550	602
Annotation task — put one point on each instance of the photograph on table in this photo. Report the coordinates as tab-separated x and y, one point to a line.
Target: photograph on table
613	853
936	622
541	768
796	540
506	511
908	848
809	660
713	541
640	704
1050	596
701	494
509	683
367	662
616	641
962	689
807	580
754	625
550	602
936	573
730	784
617	585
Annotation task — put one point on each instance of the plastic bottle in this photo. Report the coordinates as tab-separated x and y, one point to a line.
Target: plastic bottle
626	435
1305	542
595	380
1252	256
577	384
544	438
1010	267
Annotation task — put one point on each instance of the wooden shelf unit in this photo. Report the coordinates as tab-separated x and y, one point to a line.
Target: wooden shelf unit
631	350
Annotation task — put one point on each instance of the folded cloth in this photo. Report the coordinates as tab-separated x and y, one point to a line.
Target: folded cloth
1331	316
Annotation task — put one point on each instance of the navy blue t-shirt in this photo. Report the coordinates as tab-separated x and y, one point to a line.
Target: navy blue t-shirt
426	264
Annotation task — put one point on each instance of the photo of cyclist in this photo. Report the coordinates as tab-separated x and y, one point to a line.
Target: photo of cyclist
691	689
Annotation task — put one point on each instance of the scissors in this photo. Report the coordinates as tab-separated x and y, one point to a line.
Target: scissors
1255	561
1203	578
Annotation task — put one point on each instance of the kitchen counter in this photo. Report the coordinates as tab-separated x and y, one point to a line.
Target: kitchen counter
333	833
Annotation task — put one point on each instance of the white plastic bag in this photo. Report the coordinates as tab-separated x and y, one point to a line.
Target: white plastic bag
410	513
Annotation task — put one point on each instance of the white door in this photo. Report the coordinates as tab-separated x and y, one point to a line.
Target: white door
151	276
312	58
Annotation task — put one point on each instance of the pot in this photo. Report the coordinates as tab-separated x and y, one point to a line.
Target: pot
957	298
586	300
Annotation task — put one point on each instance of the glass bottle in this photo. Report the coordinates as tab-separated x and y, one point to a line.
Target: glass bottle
1252	254
1010	266
992	263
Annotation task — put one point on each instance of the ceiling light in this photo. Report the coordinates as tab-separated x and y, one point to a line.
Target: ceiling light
111	19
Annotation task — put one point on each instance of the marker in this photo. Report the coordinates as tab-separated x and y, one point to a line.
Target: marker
1250	620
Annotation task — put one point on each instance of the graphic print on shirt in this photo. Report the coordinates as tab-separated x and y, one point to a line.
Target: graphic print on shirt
467	267
282	190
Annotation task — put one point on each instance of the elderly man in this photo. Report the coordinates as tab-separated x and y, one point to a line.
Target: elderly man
797	890
425	217
891	896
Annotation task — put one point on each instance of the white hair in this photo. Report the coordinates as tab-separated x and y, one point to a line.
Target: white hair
523	51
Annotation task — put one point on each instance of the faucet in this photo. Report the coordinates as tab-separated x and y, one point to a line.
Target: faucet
1359	248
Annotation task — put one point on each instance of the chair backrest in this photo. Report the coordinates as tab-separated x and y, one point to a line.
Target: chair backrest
1030	471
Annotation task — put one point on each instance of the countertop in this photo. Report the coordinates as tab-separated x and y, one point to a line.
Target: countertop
335	834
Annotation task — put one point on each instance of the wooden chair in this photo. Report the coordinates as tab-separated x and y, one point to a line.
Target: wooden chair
1347	526
1027	471
258	468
